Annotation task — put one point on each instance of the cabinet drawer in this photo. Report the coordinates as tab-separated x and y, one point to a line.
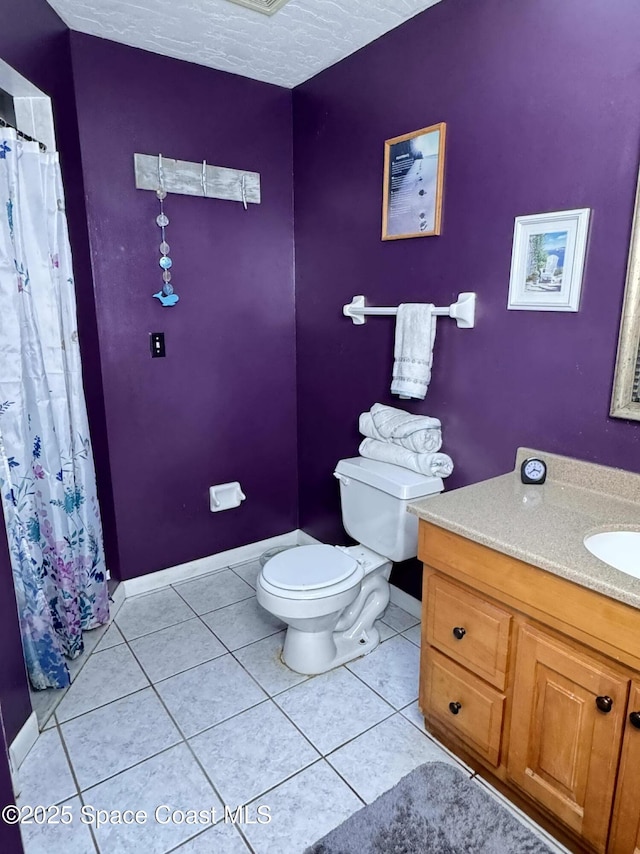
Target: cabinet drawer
468	629
462	703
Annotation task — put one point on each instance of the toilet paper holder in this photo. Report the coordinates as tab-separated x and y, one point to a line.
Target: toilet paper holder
225	496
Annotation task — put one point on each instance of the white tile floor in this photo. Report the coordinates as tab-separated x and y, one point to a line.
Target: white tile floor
185	703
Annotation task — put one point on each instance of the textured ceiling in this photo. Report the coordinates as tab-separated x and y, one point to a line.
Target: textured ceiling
297	42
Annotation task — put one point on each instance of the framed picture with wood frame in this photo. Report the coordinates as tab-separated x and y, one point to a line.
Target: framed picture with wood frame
413	183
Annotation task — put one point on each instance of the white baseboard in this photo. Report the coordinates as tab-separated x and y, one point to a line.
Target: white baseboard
407	602
23	742
233	557
305	539
212	563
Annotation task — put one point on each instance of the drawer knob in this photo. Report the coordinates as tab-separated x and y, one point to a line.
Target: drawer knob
605	704
459	632
454	708
634	719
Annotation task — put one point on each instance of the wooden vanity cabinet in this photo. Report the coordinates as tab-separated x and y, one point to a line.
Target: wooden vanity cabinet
625	829
530	677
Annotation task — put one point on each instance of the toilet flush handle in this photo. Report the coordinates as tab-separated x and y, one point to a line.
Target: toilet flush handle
345	480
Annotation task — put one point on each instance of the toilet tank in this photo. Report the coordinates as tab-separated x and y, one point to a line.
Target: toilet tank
374	498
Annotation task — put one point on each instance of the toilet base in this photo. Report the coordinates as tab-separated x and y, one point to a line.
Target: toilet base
353	635
311	653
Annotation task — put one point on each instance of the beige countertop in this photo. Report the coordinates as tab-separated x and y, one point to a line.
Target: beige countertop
546	525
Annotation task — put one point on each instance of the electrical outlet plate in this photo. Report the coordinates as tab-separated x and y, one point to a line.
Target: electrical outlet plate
156	345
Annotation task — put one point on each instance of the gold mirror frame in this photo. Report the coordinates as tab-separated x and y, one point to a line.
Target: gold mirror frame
625	400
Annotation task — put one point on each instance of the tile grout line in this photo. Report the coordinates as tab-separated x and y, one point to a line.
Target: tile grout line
185	740
199	616
186	669
75	780
155	631
181	740
234	568
102	706
267	697
349	740
184	844
55	701
317	761
221	608
394	710
152	683
324	756
83	791
466	768
174	587
347	663
127	642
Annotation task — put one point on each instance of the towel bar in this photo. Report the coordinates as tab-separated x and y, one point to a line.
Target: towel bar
463	310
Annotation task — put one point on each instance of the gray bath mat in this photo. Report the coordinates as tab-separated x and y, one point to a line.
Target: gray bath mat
433	810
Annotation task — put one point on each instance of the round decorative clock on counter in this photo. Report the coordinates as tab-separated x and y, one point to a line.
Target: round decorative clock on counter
533	470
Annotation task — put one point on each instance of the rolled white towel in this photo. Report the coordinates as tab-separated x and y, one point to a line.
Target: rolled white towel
432	465
419	433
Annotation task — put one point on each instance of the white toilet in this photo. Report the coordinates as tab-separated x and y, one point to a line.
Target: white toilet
331	596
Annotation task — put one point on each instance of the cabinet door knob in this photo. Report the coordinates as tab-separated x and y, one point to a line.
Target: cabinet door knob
634	719
454	708
605	704
459	632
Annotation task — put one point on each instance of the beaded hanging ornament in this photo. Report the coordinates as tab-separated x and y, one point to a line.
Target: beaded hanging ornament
166	295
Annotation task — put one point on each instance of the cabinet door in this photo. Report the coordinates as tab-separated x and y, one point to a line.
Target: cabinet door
566	732
625	831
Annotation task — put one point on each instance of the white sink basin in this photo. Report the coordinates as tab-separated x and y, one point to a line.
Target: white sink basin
620	549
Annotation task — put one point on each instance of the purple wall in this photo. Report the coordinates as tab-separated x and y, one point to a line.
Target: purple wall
542	103
221	406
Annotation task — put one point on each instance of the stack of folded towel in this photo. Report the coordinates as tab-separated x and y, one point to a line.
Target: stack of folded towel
411	441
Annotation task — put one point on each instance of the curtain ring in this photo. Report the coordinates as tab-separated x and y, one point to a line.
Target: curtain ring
204	178
244	191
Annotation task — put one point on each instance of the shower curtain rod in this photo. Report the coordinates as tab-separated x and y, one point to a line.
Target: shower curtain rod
5	124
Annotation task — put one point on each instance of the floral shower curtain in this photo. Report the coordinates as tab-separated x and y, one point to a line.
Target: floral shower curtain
47	477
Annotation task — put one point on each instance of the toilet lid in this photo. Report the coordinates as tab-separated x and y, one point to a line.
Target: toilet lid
309	568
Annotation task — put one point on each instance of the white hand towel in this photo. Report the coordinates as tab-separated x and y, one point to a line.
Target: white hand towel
419	433
433	465
413	351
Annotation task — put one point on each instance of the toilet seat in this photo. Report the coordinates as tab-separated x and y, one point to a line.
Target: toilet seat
310	572
309	568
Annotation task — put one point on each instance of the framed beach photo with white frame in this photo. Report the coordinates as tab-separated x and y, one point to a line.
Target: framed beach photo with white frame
547	262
